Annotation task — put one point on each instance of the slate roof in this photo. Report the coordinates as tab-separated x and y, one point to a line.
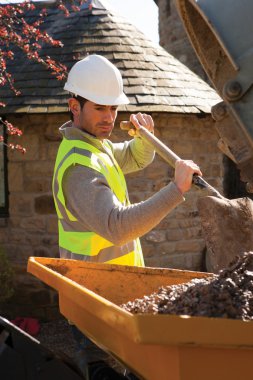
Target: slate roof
154	81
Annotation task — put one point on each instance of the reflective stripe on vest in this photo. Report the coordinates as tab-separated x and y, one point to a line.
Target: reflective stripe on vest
71	237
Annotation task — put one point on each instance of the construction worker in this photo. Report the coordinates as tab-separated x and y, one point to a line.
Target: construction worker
97	223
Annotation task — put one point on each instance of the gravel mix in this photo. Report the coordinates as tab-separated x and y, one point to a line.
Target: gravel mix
229	294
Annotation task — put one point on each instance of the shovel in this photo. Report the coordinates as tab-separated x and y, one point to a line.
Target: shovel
169	156
227	224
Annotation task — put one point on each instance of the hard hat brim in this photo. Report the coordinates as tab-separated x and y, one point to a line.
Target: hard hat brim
102	100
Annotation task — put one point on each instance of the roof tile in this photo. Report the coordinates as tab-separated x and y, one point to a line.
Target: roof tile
153	79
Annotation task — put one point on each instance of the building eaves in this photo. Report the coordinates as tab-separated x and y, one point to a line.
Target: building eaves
153	80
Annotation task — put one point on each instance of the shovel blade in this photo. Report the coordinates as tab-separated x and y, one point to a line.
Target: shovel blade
227	228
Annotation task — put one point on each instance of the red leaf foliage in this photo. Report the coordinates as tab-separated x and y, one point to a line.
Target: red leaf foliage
16	31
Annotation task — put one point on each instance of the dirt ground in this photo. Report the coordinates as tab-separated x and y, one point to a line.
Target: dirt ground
57	337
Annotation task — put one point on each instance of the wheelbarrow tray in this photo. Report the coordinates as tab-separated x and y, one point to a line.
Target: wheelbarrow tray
154	347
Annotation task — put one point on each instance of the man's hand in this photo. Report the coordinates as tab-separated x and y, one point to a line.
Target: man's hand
141	120
184	170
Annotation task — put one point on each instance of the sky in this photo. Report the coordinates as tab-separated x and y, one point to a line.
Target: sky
141	13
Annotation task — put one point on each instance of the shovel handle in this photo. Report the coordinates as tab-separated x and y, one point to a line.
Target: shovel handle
168	155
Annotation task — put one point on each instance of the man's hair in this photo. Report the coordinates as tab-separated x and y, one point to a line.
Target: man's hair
81	101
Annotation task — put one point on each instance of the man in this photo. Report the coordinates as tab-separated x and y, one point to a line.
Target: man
97	223
96	220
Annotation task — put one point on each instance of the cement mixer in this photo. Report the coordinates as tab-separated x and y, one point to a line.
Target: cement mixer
221	34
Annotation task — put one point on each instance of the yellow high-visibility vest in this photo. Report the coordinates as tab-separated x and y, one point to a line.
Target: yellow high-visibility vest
94	247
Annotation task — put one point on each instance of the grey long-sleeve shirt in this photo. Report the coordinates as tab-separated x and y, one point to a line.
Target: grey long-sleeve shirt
89	197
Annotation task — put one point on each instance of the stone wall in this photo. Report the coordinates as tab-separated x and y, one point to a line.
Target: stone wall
31	228
173	37
177	241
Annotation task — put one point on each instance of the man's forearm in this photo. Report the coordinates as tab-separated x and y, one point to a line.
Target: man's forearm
128	223
98	210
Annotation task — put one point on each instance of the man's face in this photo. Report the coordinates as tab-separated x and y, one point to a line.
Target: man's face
96	119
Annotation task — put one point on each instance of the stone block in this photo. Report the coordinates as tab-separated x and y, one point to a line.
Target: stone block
153	262
52	224
52	133
50	239
164	249
18	236
160	184
52	149
37	185
158	169
44	205
140	185
40	169
189	246
168	223
175	234
195	261
54	251
155	236
216	170
184	261
41	252
192	232
34	238
18	254
184	151
147	248
20	204
33	224
15	176
174	261
37	120
4	236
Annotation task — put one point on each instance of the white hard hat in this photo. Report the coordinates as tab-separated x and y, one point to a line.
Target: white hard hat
98	80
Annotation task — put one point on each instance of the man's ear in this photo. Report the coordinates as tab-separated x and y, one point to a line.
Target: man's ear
74	106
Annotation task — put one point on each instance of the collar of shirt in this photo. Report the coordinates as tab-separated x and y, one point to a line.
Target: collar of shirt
69	131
